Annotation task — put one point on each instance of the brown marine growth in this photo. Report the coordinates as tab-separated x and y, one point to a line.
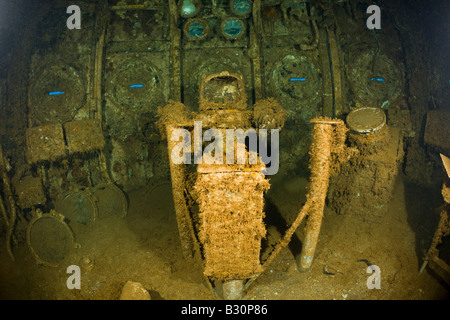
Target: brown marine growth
84	136
327	150
443	230
11	205
45	143
173	116
231	203
374	168
268	114
437	132
230	196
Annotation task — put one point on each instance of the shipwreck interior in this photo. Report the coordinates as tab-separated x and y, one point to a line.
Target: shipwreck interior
344	196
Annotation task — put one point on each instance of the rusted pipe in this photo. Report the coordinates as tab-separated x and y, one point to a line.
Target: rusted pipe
315	42
319	181
175	59
233	289
178	176
11	205
327	138
336	72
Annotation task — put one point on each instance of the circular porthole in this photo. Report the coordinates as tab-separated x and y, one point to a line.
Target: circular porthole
189	8
233	28
49	238
111	200
241	7
79	209
196	29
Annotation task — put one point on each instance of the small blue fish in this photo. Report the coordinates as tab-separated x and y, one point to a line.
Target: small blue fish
378	79
297	79
136	86
54	93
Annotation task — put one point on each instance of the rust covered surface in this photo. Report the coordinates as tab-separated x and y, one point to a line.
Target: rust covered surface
45	143
84	136
231	222
437	131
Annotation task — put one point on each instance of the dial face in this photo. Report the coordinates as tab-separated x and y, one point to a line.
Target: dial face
233	28
189	8
134	88
296	81
136	85
374	79
196	29
56	94
241	6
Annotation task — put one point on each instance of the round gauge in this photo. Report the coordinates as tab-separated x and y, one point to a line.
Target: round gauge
189	8
296	82
196	29
241	7
133	87
137	85
374	79
233	28
56	94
